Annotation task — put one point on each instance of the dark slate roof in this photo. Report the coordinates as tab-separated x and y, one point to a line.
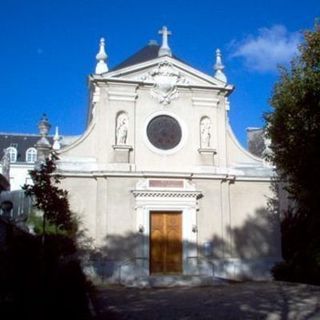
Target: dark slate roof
147	53
22	142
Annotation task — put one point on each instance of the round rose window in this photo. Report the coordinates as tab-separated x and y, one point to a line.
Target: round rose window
164	132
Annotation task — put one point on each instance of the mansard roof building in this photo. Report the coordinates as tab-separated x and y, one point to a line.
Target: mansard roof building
22	152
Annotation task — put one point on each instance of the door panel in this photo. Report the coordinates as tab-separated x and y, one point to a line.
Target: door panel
165	242
157	252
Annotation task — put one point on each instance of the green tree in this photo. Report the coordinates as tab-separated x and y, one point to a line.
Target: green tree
294	128
51	283
51	200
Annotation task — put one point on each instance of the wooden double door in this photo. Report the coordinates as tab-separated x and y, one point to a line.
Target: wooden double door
165	242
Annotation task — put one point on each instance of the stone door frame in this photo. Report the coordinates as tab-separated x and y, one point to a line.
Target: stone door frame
184	200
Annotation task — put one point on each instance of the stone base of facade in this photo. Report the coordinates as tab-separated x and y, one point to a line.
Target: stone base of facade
202	272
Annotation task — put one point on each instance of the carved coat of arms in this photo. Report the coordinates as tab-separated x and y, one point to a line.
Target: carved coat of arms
165	80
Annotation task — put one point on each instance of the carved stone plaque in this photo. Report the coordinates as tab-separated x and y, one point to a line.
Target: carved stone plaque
166	183
164	132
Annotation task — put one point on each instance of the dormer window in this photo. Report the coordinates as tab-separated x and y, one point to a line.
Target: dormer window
12	151
31	155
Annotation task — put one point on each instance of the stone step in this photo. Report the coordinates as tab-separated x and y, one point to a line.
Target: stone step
169	281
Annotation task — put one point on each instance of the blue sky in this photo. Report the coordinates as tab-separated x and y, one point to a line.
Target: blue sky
48	49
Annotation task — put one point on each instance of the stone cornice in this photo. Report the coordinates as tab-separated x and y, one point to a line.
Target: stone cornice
166	194
200	176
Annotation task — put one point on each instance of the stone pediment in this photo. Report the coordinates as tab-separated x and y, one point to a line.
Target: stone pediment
165	72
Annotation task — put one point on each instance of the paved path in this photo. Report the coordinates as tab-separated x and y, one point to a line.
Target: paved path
271	301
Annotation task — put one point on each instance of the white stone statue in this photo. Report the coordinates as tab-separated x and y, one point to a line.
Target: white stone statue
205	133
5	161
122	129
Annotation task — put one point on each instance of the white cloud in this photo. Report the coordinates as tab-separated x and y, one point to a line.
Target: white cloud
270	48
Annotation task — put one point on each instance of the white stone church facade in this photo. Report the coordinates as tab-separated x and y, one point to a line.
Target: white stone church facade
160	181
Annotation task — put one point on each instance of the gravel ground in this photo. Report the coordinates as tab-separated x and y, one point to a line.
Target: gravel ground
249	300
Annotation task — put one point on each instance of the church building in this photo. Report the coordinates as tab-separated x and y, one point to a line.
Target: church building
160	181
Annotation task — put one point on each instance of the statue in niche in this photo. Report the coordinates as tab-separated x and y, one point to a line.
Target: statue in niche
5	161
122	129
205	133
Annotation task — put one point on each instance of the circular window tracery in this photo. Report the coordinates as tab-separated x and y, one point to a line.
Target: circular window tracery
164	132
